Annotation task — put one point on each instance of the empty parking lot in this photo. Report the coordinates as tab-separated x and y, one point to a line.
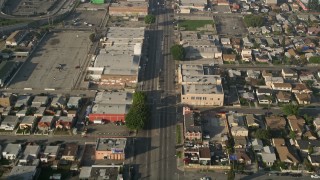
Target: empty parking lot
230	25
55	63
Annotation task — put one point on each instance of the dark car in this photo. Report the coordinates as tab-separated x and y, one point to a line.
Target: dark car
296	175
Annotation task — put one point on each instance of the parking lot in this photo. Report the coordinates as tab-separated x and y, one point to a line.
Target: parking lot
84	19
230	25
214	125
221	9
56	63
107	130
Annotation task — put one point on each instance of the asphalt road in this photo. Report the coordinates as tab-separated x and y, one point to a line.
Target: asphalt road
155	149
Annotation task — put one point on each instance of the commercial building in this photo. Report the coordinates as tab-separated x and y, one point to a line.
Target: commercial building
111	148
202	95
125	8
100	172
193	5
200	86
117	65
110	106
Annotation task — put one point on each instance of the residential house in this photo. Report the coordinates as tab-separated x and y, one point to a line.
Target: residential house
240	142
236	44
39	112
45	123
252	121
314	160
265	30
276	28
111	148
39	101
259	57
23	172
64	122
70	151
9	123
314	30
271	42
22	101
22	112
284	153
247	43
192	123
27	122
282	87
11	151
242	156
285	7
305	145
204	156
268	155
303	98
296	125
316	123
49	153
246	54
239	131
283	97
289	74
271	80
263	99
73	102
300	88
263	91
58	102
236	119
291	53
257	145
225	41
309	135
229	57
30	153
253	74
276	124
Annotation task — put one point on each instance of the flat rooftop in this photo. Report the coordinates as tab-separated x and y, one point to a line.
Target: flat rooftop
108	144
125	33
201	89
121	64
110	109
113	98
22	172
130	4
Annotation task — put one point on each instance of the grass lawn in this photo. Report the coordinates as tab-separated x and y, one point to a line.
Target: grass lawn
229	62
192	25
178	134
7	22
62	132
20	131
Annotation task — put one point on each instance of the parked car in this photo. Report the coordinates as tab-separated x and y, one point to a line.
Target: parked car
316	176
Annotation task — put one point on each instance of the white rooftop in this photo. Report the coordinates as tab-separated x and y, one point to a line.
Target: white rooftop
113	98
201	89
110	109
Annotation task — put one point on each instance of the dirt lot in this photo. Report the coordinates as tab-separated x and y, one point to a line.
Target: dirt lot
230	25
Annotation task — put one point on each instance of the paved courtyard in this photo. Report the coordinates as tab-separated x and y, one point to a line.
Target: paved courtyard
54	63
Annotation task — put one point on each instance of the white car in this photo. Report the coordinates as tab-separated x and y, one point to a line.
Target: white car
315	176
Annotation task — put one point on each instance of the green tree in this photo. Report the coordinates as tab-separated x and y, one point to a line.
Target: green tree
231	174
178	52
253	20
308	166
290	109
292	135
139	113
149	19
262	134
308	119
92	37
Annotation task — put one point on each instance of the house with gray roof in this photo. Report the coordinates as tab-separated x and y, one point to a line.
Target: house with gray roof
268	156
11	151
9	123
